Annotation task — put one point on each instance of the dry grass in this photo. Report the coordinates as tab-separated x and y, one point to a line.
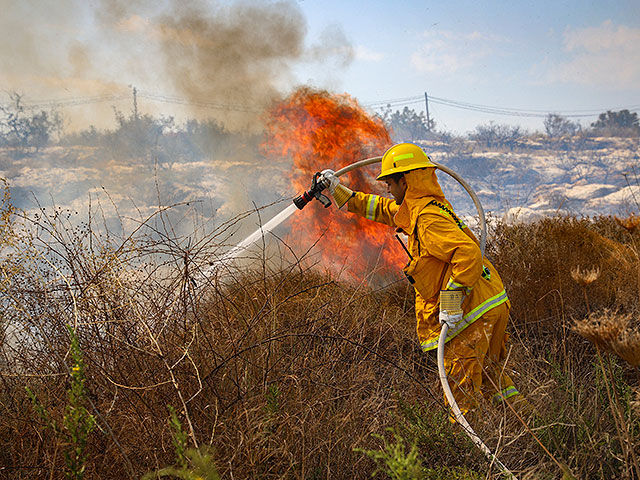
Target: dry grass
281	369
612	333
585	277
630	223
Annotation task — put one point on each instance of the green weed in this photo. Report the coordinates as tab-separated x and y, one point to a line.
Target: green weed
179	437
394	460
201	467
192	463
78	423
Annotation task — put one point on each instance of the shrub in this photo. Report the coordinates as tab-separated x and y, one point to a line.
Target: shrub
495	135
617	124
557	126
407	125
279	370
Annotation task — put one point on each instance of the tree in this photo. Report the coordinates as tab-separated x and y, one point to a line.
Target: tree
558	126
18	129
138	135
623	123
407	125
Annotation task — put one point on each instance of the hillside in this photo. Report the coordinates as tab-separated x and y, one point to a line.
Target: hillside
592	176
595	176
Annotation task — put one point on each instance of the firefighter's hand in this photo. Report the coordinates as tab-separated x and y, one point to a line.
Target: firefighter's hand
329	180
451	307
451	320
339	192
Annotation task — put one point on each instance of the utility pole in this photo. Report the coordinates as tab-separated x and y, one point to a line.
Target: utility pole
426	102
135	103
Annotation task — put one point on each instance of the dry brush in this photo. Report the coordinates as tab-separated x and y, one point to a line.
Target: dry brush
280	370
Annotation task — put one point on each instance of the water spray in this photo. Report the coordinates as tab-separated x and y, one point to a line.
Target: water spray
314	192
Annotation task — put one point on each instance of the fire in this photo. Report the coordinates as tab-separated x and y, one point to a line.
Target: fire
319	130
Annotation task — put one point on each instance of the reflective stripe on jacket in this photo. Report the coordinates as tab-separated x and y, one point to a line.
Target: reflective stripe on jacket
445	253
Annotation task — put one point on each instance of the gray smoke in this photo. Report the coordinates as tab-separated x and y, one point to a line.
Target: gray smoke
229	60
229	57
223	60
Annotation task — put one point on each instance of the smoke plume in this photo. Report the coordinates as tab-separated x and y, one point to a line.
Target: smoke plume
228	61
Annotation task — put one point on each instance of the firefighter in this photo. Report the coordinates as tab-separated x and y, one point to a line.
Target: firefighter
445	260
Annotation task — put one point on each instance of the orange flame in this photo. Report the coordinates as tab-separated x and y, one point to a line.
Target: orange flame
319	130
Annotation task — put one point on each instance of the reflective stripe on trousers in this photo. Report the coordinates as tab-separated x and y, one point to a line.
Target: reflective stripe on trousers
505	393
474	361
469	318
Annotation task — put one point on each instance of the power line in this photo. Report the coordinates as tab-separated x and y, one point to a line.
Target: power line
529	110
384	103
156	97
163	98
513	112
72	102
390	103
507	111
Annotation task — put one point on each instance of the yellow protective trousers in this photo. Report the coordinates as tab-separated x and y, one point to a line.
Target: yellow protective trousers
474	361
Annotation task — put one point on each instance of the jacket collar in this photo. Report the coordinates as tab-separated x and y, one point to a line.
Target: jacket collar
422	188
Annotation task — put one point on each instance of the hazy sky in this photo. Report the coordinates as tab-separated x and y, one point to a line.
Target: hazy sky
570	57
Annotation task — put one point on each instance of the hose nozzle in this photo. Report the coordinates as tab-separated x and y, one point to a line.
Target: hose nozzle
314	192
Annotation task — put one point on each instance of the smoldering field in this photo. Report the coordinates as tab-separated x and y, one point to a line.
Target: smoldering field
282	369
283	366
286	364
228	60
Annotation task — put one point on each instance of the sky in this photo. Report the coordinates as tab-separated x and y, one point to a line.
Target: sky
478	62
554	56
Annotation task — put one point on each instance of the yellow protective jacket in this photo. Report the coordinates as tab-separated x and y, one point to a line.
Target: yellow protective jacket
445	253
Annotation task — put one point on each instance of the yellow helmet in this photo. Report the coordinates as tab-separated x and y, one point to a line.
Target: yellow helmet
403	157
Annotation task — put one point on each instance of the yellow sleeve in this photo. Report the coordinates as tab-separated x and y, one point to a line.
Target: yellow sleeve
373	207
445	240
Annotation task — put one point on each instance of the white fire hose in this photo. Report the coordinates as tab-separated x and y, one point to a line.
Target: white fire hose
459	417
